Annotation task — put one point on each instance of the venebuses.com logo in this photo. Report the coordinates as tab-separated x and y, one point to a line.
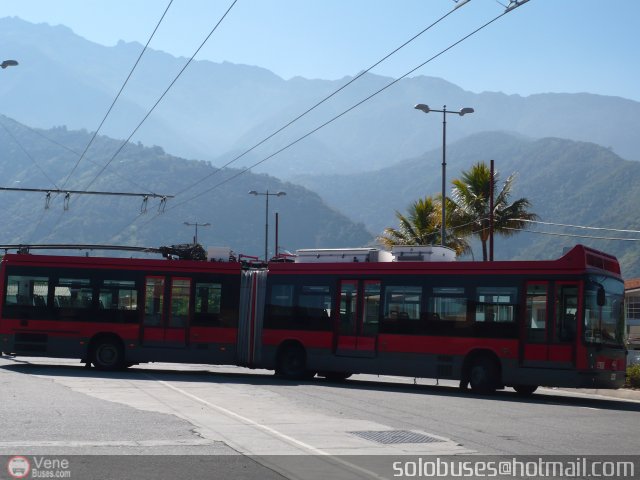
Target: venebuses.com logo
18	467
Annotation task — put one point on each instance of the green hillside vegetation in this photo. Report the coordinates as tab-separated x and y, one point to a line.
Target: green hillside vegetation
29	160
567	182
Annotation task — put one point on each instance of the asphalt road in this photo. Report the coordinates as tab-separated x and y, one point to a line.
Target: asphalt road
239	423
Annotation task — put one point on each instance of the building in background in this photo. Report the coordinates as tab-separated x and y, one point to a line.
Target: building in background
632	318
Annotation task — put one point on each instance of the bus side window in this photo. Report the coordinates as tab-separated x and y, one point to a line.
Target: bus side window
402	302
118	295
208	303
313	306
496	304
280	306
73	293
448	304
27	291
180	297
402	308
536	312
154	301
371	305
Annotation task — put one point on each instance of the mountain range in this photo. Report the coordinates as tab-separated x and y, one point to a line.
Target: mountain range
575	154
217	111
33	158
567	182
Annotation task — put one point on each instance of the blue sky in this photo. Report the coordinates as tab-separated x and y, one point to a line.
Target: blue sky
543	46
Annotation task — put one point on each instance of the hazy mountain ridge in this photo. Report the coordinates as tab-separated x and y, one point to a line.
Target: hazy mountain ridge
577	183
216	111
237	218
215	108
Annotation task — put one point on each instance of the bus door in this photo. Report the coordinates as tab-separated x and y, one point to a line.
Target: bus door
562	347
549	333
358	314
534	334
166	311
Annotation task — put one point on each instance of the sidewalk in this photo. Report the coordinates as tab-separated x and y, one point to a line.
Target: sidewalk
621	393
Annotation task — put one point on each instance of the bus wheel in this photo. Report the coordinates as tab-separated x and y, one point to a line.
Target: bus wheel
107	354
336	376
525	390
292	363
483	376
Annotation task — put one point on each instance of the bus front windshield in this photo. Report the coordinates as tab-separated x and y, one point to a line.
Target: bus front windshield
604	312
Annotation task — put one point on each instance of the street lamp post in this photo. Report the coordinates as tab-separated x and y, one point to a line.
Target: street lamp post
267	194
444	111
196	224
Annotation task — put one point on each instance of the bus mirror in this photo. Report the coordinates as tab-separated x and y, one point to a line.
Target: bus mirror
602	298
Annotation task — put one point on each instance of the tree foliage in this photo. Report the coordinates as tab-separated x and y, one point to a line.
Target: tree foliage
467	214
472	208
421	226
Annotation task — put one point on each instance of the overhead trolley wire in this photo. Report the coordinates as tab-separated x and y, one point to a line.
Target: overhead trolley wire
163	95
104	167
10	133
77	154
558	234
336	117
311	132
593	237
33	130
95	134
579	226
310	109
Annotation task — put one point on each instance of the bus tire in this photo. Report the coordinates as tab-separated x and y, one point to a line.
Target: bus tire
292	363
483	375
525	390
107	354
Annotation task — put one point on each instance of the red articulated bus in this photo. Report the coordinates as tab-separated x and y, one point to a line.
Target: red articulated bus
115	312
411	312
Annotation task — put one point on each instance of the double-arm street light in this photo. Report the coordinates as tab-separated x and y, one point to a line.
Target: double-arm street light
196	224
444	111
266	194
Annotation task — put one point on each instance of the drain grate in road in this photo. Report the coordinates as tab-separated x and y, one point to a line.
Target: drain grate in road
388	437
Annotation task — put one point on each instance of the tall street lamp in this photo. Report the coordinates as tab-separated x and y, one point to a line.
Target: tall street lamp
267	194
196	224
444	111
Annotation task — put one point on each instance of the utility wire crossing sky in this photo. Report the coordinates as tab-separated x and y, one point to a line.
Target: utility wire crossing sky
545	46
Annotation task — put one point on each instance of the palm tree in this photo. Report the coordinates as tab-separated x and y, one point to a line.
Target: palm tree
421	226
470	206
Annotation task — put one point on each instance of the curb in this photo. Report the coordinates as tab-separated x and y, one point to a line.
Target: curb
621	393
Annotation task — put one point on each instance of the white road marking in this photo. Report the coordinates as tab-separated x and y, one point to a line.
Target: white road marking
270	430
242	418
